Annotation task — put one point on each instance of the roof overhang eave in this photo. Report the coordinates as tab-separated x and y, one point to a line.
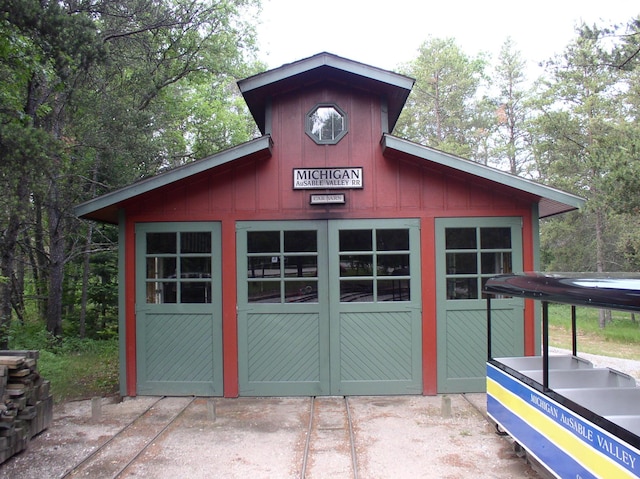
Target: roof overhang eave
258	89
551	200
289	70
548	207
104	208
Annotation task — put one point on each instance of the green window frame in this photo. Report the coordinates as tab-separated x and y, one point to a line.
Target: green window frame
178	267
282	266
472	255
326	124
374	265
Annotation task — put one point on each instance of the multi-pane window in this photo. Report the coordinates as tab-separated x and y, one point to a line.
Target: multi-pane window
178	267
326	124
282	266
472	256
374	265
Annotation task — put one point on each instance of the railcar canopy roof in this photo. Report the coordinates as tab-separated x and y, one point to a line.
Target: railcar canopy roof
604	290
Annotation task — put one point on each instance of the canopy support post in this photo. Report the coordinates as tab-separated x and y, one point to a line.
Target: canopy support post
574	330
489	355
545	345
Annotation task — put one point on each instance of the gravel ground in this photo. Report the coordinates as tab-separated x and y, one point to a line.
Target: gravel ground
395	436
434	437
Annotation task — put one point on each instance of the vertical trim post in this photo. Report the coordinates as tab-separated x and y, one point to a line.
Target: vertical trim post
122	317
545	345
489	354
574	331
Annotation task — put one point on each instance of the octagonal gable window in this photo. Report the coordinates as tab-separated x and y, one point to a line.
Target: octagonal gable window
326	124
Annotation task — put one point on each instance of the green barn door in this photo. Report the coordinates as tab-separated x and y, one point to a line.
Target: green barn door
178	309
329	307
468	251
376	343
283	326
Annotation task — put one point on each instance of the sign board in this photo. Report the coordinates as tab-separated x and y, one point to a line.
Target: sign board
326	178
327	199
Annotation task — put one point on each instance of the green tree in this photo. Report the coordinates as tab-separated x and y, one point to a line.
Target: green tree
45	48
92	93
442	109
582	140
510	140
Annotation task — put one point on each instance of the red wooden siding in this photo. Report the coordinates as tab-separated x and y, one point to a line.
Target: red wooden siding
263	189
392	187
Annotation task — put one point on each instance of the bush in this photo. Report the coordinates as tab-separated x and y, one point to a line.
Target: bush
77	368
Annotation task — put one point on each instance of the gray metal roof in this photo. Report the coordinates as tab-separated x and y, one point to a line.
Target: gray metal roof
259	88
105	207
551	200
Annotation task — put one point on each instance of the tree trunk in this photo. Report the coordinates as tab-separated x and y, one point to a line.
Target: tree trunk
40	260
56	264
85	283
87	256
6	272
438	112
8	258
18	289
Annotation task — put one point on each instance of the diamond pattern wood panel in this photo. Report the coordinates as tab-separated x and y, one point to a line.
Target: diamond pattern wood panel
467	341
466	344
283	347
184	357
375	346
507	338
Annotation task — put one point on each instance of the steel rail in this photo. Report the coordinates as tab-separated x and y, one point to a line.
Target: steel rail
310	428
87	460
307	444
111	439
153	439
352	439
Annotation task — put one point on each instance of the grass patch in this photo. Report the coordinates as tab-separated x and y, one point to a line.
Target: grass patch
620	338
77	368
81	374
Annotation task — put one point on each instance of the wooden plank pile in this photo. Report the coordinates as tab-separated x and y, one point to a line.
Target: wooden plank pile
26	404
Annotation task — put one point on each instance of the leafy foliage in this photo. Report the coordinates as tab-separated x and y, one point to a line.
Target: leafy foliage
77	368
97	94
586	137
441	110
510	138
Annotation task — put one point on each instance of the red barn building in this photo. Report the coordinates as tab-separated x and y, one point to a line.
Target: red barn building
326	257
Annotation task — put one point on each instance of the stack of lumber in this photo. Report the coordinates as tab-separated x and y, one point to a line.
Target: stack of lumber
26	405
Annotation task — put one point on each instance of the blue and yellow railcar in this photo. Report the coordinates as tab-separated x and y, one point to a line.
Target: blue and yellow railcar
576	420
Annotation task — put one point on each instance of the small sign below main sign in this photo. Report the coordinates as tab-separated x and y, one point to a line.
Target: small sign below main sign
326	178
336	199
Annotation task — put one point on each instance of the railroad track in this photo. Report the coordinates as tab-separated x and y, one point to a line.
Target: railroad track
131	441
329	449
330	429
